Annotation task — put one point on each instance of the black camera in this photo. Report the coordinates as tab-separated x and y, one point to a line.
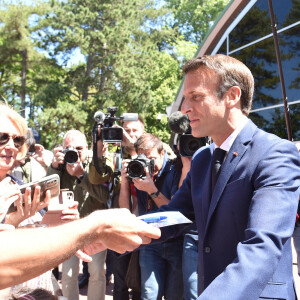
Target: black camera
71	155
189	144
136	167
110	134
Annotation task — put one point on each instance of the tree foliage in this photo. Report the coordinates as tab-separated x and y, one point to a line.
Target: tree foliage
129	55
194	18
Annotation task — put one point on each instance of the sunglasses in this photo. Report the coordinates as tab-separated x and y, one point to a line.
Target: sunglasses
18	140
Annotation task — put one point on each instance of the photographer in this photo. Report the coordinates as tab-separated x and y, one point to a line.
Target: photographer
36	162
161	265
71	162
109	176
132	130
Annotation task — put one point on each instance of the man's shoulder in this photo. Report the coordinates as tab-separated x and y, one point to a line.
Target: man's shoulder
265	140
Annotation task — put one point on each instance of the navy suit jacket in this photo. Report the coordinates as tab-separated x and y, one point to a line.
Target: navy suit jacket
245	227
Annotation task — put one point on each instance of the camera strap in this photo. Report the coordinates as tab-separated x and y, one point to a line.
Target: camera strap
149	206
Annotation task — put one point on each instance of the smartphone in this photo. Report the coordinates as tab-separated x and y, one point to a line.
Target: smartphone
53	216
46	183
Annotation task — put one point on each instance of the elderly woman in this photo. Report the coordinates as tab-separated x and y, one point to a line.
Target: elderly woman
13	129
12	146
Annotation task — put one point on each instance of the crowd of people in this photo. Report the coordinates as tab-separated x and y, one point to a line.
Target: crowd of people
241	193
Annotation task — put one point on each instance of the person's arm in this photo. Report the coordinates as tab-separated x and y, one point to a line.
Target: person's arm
124	196
58	159
186	166
27	253
97	191
105	164
44	157
106	169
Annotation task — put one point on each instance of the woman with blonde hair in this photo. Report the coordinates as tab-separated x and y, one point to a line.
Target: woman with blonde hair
13	128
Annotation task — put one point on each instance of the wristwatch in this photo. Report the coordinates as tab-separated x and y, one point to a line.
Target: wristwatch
154	195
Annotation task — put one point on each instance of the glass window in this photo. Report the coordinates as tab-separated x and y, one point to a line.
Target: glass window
286	12
223	48
261	60
273	121
256	23
289	42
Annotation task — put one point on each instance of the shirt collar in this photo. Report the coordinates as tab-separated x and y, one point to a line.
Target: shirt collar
226	145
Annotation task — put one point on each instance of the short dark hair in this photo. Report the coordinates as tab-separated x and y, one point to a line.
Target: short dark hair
147	142
230	72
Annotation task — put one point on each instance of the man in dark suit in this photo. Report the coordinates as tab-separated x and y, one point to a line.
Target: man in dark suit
246	220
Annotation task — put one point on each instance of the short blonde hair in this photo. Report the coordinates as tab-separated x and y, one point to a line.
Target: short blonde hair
18	121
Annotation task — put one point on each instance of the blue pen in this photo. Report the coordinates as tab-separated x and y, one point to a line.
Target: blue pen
154	219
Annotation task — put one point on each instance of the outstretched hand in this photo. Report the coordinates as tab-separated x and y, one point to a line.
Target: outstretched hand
118	230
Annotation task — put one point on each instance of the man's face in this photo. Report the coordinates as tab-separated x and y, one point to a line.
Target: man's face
8	151
206	112
78	143
159	158
134	128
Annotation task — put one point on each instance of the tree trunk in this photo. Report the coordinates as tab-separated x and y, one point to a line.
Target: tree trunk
23	81
86	85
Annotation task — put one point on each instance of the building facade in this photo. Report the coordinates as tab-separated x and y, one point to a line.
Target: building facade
244	31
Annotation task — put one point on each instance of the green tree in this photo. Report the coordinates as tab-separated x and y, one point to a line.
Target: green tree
193	18
17	49
56	121
120	43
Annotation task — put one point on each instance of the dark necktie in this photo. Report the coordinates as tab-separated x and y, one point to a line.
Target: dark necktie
217	161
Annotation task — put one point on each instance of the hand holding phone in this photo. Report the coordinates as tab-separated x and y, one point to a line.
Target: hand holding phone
9	193
61	209
27	206
50	183
71	213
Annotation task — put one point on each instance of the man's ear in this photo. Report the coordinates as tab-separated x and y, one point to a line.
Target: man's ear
233	96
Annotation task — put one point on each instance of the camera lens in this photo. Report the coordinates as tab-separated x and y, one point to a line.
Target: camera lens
193	145
135	169
190	144
71	156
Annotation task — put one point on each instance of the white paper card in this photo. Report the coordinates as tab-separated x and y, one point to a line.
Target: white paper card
165	218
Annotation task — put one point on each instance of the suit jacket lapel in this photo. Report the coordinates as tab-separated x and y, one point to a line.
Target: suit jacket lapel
233	157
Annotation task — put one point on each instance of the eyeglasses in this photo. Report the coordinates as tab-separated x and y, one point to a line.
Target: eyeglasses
18	140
